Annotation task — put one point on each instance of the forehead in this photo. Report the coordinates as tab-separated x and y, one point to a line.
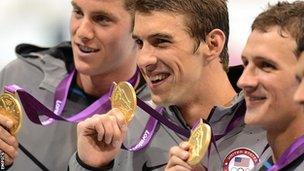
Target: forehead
271	45
97	5
159	22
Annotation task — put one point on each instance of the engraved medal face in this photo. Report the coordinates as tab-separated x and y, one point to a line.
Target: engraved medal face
124	98
10	108
199	142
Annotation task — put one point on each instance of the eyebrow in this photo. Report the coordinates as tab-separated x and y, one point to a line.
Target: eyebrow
74	5
103	13
134	36
261	58
161	35
156	35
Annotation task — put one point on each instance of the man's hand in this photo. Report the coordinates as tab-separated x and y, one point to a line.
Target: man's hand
178	156
8	142
100	138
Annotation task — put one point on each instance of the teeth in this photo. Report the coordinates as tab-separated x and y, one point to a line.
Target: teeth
257	98
158	77
87	49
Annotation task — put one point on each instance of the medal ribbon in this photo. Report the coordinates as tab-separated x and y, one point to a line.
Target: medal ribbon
146	135
162	119
290	154
33	108
149	131
236	120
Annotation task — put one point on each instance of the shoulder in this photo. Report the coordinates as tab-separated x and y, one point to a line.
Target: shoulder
36	55
38	66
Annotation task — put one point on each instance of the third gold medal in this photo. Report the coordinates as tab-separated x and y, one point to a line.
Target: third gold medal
199	142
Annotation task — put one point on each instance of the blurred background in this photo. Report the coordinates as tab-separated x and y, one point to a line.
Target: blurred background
46	23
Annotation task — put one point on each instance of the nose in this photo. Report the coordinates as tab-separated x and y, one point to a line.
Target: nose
86	30
146	57
299	94
248	79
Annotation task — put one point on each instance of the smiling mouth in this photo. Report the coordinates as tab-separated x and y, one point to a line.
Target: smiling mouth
156	79
86	49
254	101
256	98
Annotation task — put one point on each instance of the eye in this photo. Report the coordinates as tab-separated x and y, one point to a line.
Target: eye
266	66
139	43
245	62
298	78
77	12
101	19
160	42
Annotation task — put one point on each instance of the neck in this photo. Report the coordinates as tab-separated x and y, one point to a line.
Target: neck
219	93
280	140
97	85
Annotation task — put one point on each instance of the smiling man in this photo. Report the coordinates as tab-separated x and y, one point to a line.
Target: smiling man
269	84
182	53
101	51
183	56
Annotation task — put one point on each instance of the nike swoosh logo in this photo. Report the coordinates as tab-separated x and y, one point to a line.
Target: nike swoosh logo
147	168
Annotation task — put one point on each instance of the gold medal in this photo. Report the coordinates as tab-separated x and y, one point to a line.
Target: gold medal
124	98
199	143
10	108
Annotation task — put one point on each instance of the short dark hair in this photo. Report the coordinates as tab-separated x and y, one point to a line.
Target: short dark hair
300	40
129	6
202	16
288	16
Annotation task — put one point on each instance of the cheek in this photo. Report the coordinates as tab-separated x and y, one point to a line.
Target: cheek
288	90
73	26
123	42
181	68
113	42
279	88
192	75
282	103
192	65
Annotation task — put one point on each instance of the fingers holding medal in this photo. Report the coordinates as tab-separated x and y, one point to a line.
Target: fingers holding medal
124	98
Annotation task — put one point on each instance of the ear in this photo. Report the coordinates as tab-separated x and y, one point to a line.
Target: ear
215	42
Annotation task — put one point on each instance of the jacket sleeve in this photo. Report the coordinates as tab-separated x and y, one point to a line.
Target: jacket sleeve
75	164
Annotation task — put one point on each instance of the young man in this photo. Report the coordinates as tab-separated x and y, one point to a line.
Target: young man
269	84
182	52
101	51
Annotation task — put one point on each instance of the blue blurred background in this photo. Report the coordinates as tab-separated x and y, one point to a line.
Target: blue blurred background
46	23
